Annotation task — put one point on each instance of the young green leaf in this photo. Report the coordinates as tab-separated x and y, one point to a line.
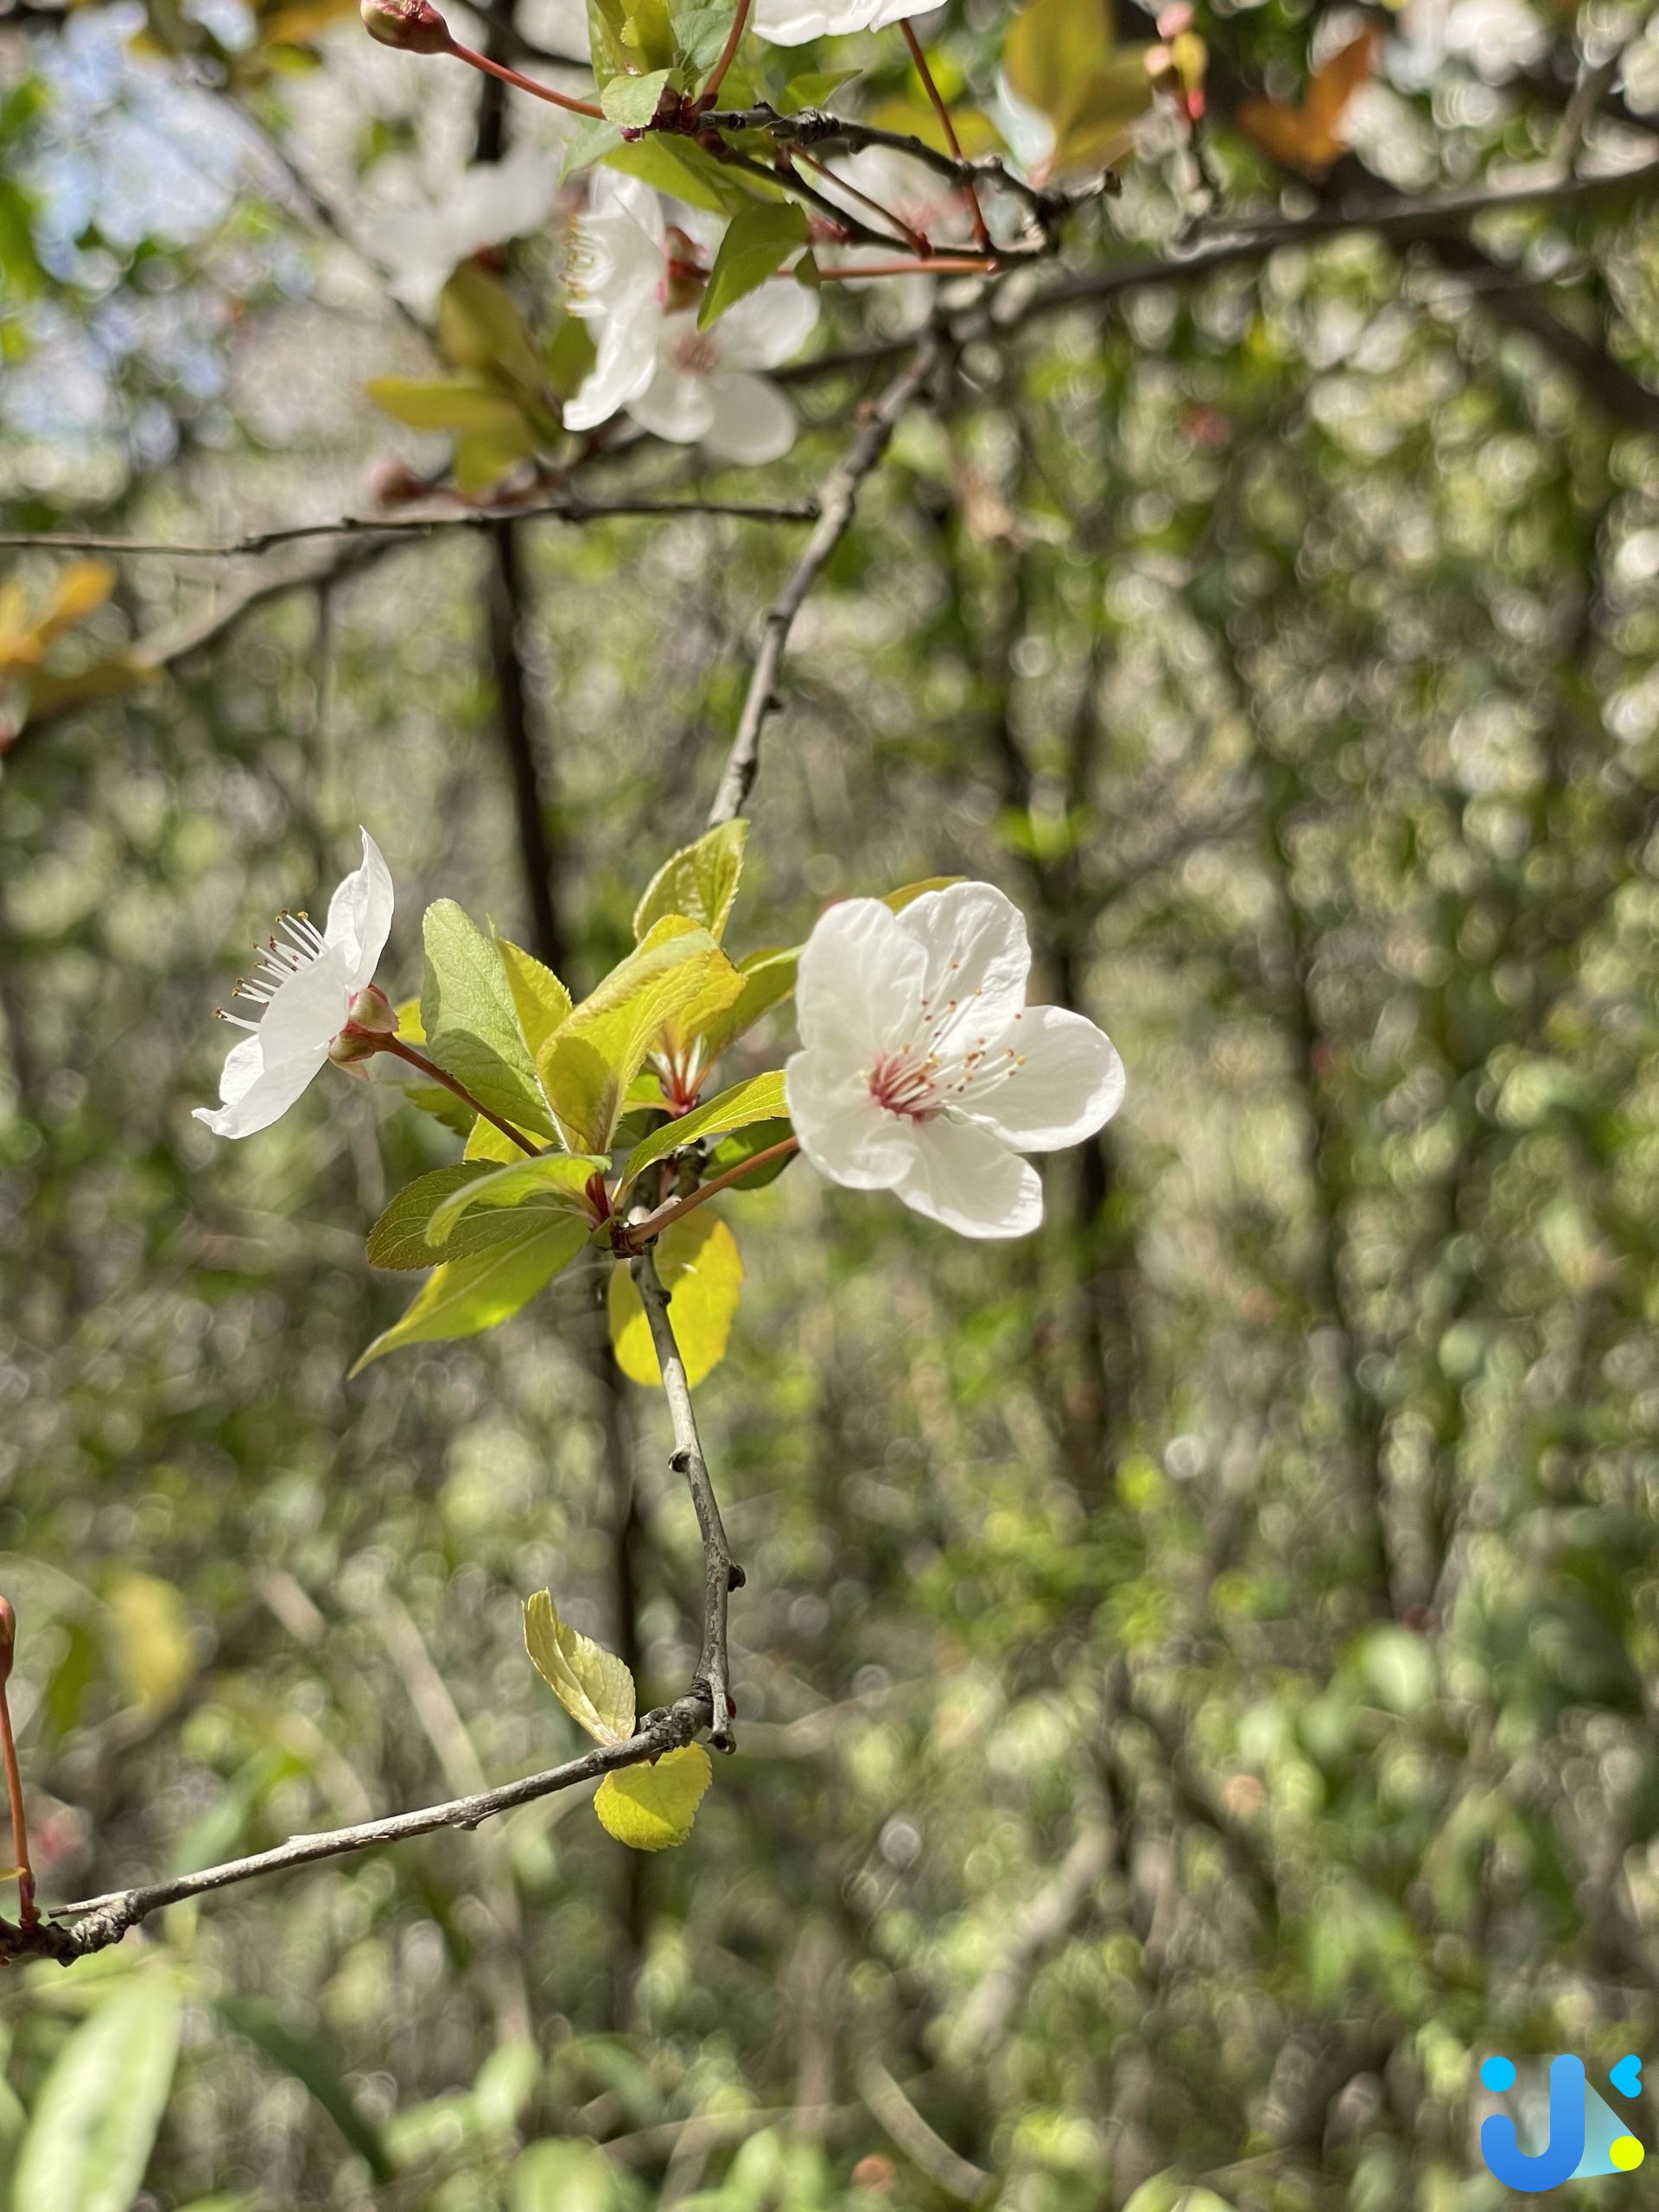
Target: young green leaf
811	89
400	1239
587	1066
744	1144
541	998
472	1023
555	1182
700	35
592	138
455	405
700	881
758	1100
652	1808
701	1271
630	102
680	167
755	246
99	2110
592	1684
466	1296
481	328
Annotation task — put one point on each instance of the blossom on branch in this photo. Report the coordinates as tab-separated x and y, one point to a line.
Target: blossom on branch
309	984
420	246
923	1071
792	23
639	283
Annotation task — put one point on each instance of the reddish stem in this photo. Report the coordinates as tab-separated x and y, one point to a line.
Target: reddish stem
26	1912
524	84
728	53
385	1044
938	264
915	237
946	125
636	1238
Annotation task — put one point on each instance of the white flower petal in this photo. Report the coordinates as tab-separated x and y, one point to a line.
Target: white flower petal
768	327
964	1178
978	961
859	989
254	1091
676	404
753	422
360	915
1067	1082
792	23
308	1011
844	1133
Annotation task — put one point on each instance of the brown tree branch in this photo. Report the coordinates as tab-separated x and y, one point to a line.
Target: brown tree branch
837	499
721	1573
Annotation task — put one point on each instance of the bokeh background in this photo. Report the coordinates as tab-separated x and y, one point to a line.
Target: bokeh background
1199	1665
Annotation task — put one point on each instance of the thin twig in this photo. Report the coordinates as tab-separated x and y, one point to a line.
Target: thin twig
941	108
264	541
837	498
639	1234
721	1573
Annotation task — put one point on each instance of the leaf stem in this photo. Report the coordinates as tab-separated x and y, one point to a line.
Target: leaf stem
727	54
474	61
27	1913
431	1068
946	125
639	1234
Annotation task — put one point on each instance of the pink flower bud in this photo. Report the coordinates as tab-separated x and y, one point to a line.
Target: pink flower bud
412	26
1174	19
372	1009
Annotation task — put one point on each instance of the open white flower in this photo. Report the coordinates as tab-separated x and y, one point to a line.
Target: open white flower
690	386
924	1070
792	23
307	983
485	206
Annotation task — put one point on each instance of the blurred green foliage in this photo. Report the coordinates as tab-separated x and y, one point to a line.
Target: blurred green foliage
1197	1666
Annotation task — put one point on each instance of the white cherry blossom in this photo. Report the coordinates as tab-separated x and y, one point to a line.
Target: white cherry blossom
638	282
307	984
792	23
421	246
923	1071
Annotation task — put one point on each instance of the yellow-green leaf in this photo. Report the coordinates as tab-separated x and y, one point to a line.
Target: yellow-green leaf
760	1099
466	1296
753	248
541	999
457	404
403	1237
700	881
702	1270
479	327
592	1684
555	1181
588	1063
652	1808
471	1019
149	1644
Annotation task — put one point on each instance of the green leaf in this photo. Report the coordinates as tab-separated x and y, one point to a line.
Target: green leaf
482	458
587	1066
702	1270
700	36
98	2109
682	168
630	102
593	1684
758	1100
1094	127
762	1136
541	998
555	1182
400	1238
812	89
651	1807
303	2053
756	243
466	1296
472	1022
592	138
479	327
629	37
454	404
700	881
